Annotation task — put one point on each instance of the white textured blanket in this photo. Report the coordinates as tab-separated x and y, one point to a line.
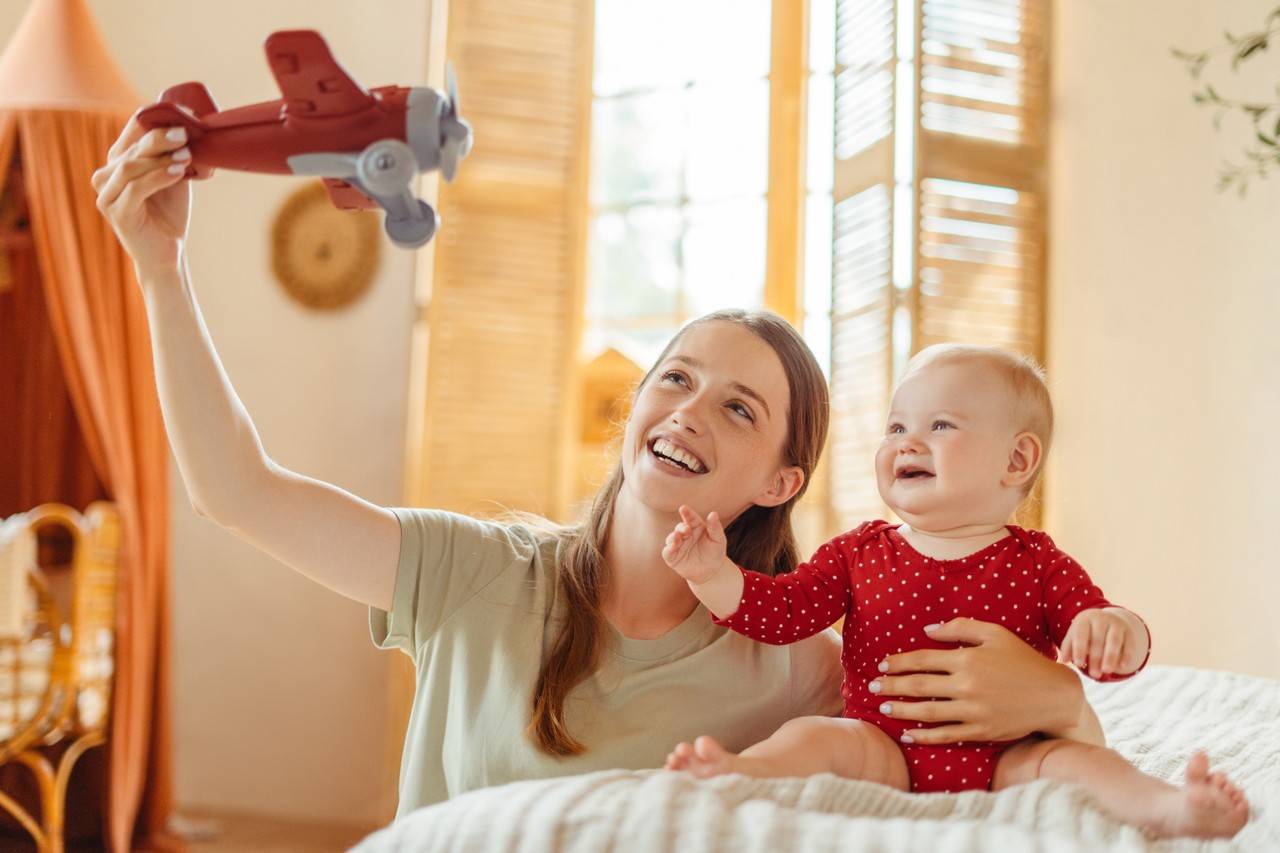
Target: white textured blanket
1156	720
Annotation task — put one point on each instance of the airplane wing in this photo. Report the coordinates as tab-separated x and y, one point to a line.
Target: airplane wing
311	80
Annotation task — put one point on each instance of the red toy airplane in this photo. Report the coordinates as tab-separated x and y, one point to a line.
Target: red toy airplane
367	145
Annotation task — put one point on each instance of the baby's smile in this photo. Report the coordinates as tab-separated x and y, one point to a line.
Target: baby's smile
912	473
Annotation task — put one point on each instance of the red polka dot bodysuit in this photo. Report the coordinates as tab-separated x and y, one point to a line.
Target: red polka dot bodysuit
888	592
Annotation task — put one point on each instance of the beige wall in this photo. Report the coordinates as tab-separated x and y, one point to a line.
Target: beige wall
1163	343
279	696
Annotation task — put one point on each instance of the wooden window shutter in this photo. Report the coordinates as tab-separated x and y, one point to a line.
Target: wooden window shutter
938	237
981	174
862	293
503	305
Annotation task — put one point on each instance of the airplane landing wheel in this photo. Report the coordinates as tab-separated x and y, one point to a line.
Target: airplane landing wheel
412	233
387	166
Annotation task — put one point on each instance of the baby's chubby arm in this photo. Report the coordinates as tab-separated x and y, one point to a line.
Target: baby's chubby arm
1106	641
697	551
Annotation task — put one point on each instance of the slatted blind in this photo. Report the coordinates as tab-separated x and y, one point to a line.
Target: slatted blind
505	296
979	266
861	351
983	68
864	75
862	295
981	170
939	213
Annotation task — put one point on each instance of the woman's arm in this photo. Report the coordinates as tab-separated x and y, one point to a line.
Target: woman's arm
995	688
333	537
336	539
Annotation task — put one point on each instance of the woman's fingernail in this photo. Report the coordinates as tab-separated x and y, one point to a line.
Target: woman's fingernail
177	169
935	626
874	687
908	739
177	134
883	666
182	154
886	709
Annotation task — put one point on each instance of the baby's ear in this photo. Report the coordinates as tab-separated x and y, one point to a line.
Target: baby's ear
1024	459
783	488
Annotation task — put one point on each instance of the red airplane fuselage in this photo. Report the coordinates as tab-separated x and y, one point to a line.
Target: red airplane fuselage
262	137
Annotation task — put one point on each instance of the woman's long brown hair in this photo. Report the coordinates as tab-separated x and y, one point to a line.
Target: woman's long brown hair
760	537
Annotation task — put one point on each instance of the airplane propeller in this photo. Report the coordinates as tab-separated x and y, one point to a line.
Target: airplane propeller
455	131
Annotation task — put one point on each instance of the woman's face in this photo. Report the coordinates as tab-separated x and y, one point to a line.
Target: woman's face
708	427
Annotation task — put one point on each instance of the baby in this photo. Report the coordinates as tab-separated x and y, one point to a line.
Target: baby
967	434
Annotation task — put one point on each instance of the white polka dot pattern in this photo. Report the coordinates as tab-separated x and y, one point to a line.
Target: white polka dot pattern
888	592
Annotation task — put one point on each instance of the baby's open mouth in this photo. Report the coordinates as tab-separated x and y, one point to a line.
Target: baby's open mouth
678	457
911	472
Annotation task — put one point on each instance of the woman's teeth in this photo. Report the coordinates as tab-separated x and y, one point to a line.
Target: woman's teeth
667	450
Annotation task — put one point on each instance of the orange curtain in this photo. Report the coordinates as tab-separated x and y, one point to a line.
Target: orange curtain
42	455
99	325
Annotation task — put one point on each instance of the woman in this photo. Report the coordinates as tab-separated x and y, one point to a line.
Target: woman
543	651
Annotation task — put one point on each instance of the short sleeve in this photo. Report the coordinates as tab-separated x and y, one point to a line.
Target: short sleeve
445	560
817	676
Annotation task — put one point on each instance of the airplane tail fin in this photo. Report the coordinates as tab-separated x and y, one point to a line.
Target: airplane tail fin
346	197
170	114
194	96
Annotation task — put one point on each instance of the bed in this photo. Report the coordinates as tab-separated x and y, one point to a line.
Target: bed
1156	720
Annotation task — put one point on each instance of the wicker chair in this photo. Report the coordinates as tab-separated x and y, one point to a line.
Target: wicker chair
55	668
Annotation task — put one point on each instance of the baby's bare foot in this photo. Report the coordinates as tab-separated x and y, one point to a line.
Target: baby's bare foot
711	759
1208	806
678	758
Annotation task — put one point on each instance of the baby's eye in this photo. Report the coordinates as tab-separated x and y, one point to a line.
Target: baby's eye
895	429
940	425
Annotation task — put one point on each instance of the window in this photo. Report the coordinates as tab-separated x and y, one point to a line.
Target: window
679	172
938	202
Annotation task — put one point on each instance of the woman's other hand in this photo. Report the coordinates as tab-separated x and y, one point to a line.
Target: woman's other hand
142	194
996	687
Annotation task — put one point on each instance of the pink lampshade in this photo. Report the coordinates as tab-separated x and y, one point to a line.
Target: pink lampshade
58	60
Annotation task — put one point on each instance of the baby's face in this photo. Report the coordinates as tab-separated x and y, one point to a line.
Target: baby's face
947	448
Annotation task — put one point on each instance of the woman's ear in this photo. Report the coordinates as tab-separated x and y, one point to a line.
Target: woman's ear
1024	459
783	488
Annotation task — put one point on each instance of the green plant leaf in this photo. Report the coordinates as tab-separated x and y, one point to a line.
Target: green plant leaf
1249	48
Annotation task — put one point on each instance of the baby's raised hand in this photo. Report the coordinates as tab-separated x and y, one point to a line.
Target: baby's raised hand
1105	641
696	549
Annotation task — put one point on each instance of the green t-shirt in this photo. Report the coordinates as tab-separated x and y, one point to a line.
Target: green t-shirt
471	607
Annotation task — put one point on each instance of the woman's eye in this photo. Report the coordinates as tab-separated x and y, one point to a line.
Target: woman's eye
742	410
674	376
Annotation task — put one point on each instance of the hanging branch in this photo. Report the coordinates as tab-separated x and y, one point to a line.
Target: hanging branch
1262	155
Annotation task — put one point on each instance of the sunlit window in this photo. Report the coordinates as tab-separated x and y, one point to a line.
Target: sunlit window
819	179
679	167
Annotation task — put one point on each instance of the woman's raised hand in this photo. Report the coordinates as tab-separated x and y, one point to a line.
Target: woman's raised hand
696	549
996	687
142	194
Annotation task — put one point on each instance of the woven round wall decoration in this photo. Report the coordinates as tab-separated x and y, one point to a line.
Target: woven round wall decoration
324	257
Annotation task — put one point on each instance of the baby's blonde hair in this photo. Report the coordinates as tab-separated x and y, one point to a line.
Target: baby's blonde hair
1032	410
